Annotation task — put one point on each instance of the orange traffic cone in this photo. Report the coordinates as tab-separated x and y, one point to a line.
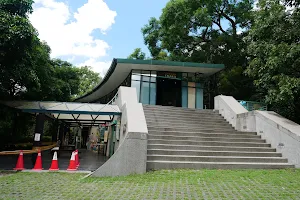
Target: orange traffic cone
72	165
38	162
54	164
20	162
77	158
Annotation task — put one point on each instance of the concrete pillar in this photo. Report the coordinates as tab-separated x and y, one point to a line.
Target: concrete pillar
61	133
55	131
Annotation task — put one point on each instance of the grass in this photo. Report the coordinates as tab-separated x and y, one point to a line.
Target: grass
165	184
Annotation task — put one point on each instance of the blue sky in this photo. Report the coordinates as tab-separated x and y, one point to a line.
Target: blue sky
125	35
92	32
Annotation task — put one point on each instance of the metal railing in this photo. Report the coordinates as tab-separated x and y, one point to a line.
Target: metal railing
253	105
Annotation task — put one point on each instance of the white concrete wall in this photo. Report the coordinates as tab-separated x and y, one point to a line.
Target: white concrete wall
229	108
131	155
133	117
281	133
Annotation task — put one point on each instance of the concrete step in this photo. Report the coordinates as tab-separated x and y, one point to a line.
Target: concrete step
197	138
199	122
183	117
164	121
196	125
151	129
211	153
201	134
152	107
188	158
166	108
192	129
208	143
181	114
157	165
210	148
191	126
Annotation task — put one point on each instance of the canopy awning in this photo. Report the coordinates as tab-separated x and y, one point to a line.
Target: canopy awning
70	112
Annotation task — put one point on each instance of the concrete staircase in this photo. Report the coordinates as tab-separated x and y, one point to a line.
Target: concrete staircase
195	139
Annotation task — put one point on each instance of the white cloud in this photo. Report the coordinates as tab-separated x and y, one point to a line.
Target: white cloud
70	34
97	66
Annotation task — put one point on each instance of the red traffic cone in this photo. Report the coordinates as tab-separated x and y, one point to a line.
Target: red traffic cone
77	158
20	162
38	162
54	164
72	165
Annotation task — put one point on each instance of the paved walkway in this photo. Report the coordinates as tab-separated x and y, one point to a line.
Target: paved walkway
89	161
179	184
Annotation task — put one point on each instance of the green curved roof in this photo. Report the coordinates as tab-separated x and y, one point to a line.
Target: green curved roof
120	68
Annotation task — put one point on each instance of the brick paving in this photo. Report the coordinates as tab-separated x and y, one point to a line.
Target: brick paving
168	184
89	161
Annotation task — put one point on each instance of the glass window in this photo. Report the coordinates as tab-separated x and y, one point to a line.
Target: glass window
136	77
191	77
153	73
184	76
153	93
146	75
153	76
136	71
145	92
146	78
198	77
137	85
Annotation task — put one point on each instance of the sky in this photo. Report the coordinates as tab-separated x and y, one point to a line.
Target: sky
93	32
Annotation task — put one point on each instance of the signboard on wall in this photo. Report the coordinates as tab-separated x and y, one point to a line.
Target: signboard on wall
167	74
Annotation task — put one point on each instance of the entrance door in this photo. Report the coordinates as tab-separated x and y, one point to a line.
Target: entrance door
168	92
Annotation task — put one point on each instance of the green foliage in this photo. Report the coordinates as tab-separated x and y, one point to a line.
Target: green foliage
88	80
66	80
16	43
17	7
194	31
233	82
28	73
137	54
275	56
151	33
162	55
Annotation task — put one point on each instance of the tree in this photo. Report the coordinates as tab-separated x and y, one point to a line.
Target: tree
17	40
66	80
28	73
209	31
197	30
137	54
18	7
275	56
152	36
88	80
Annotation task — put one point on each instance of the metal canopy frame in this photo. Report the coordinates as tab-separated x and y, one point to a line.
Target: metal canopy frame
82	114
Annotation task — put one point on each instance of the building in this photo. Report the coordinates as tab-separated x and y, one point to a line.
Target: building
153	137
157	82
151	115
